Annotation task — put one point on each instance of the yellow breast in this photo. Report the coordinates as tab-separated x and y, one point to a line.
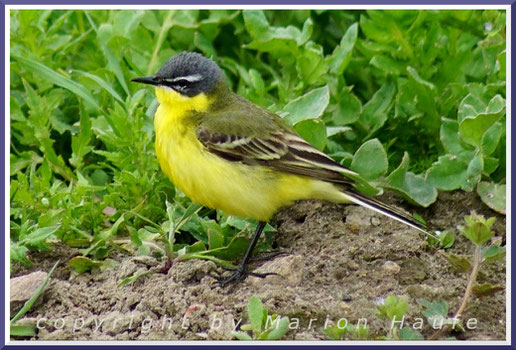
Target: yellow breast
235	188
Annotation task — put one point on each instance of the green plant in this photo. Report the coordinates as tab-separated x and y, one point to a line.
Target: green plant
414	101
444	239
436	313
262	325
350	332
28	330
393	310
478	231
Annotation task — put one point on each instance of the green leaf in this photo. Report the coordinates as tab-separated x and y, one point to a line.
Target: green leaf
28	304
110	232
340	57
448	173
255	313
55	78
477	229
446	239
491	138
242	336
313	131
306	32
18	252
348	108
374	113
38	237
450	139
310	64
501	60
426	99
374	30
393	307
490	165
439	307
413	187
104	33
334	130
408	333
476	117
234	250
493	253
459	262
137	239
81	264
278	332
387	65
257	82
80	142
21	161
22	330
485	289
256	23
134	277
309	106
437	310
370	160
125	22
414	75
474	171
103	84
204	44
196	248
215	235
493	195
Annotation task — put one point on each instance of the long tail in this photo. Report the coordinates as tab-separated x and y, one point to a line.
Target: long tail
382	208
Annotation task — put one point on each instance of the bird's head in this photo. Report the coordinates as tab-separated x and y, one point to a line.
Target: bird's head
185	76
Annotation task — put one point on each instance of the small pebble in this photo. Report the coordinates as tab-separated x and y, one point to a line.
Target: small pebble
375	221
392	267
109	211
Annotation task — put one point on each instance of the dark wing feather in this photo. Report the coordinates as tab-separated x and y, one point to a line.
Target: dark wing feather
265	140
280	150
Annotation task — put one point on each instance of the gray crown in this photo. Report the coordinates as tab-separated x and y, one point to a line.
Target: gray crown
200	72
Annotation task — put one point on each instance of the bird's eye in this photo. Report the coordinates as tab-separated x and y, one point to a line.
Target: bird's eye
181	83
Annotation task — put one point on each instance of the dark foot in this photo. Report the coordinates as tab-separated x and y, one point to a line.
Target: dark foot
267	256
239	274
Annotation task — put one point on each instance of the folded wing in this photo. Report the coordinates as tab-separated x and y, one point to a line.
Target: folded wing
280	150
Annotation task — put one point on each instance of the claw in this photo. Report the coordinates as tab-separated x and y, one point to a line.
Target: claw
268	256
239	274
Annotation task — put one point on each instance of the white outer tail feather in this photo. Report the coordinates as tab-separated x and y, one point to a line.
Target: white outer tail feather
383	211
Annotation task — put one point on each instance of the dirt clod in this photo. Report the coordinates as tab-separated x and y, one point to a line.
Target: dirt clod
342	260
23	288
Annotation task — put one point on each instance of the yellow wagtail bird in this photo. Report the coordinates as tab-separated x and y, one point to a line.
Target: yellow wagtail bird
227	153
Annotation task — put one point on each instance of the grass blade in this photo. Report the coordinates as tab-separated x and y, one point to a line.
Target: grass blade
22	331
103	84
26	307
115	66
56	78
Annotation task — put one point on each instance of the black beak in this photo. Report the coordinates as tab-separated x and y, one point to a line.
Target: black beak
150	80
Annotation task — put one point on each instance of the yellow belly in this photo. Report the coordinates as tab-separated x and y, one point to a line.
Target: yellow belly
237	189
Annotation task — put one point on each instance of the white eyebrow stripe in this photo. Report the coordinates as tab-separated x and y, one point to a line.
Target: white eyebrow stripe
190	78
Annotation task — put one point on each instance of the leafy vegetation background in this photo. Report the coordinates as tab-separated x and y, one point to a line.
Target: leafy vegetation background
412	100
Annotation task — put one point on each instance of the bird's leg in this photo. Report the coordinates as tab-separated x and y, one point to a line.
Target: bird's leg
268	256
241	272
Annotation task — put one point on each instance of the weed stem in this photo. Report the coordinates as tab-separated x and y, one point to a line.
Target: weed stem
471	281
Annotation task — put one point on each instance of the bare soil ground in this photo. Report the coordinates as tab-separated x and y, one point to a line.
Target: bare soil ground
341	261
